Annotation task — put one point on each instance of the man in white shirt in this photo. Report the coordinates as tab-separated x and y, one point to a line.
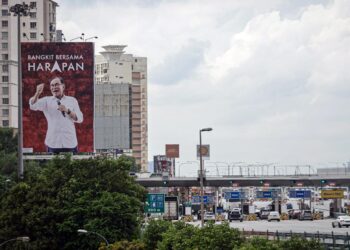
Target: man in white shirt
61	112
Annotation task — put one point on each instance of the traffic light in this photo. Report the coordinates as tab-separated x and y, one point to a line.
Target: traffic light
262	182
165	183
323	181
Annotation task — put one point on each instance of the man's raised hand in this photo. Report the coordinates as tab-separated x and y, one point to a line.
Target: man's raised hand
39	88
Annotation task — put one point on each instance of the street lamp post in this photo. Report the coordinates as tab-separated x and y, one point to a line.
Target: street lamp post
201	172
20	10
23	239
99	235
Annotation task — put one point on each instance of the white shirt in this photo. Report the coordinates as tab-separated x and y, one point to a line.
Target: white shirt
60	129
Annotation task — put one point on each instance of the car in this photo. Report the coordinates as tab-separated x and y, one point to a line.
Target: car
342	221
306	215
209	216
235	215
274	215
264	214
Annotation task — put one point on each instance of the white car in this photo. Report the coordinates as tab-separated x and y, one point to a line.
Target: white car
274	215
342	221
209	216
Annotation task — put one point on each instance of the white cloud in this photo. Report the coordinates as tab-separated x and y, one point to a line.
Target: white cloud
271	78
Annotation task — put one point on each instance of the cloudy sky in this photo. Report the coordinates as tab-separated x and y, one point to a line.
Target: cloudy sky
271	77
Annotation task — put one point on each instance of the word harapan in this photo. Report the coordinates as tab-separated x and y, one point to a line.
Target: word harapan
60	67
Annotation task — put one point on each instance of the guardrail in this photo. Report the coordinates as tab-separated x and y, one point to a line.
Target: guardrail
331	241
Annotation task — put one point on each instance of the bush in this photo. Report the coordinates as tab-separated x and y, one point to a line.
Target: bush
124	245
214	237
258	243
301	244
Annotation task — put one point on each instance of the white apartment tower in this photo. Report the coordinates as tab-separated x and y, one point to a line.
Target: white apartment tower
38	26
121	103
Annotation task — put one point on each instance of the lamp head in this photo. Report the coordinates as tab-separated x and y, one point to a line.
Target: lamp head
82	231
23	238
206	129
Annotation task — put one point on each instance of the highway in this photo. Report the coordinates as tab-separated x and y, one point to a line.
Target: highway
323	226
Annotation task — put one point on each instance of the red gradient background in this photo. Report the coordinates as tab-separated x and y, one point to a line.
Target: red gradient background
78	84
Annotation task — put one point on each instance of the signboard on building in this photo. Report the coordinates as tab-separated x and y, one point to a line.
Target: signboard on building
155	203
205	150
58	97
299	193
332	194
172	151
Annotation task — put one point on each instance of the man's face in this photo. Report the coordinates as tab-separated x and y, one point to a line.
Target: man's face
57	88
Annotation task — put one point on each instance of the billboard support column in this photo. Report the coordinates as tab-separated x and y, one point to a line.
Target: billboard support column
20	111
20	10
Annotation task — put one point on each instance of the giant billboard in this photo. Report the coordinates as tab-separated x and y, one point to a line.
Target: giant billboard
58	97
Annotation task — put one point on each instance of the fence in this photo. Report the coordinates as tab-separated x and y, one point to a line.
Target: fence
330	240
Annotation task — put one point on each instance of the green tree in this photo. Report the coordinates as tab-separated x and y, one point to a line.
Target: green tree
153	233
62	196
8	140
8	151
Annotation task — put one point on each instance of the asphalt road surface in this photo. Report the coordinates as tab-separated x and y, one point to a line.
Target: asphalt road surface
322	226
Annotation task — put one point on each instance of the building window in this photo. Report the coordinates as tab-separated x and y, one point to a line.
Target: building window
32	14
5	2
4	56
5	68
5	101
5	123
5	90
4	45
4	23
4	12
4	35
5	79
33	25
32	4
32	35
24	24
5	112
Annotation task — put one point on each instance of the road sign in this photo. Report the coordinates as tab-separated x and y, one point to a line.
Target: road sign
196	199
205	151
233	195
155	203
266	194
332	194
299	193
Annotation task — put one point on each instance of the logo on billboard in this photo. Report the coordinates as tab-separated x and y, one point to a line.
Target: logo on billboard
58	97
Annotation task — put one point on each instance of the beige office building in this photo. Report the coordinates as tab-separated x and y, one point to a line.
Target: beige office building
38	26
121	103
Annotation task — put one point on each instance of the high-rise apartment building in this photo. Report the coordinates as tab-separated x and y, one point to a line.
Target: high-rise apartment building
38	26
121	103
